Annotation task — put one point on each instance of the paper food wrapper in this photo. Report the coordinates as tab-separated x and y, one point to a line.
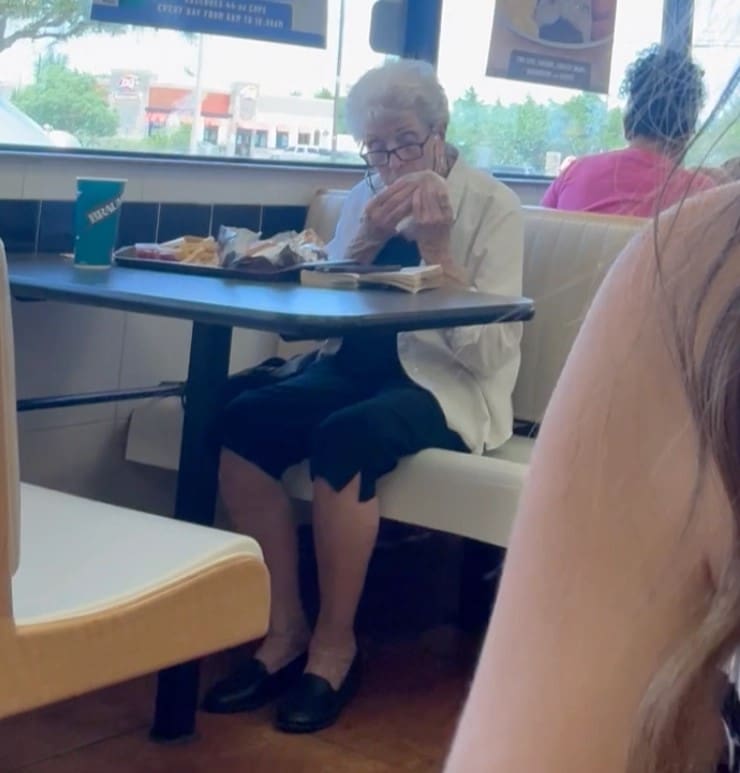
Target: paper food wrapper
243	248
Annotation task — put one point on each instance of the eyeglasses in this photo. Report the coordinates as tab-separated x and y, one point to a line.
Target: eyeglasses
412	151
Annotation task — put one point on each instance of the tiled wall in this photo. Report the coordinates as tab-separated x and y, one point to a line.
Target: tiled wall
162	199
47	226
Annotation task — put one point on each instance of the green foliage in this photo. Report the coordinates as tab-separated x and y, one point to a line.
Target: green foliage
324	93
164	141
66	99
720	139
341	127
520	135
46	20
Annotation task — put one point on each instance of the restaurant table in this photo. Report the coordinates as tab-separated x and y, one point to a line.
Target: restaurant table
215	306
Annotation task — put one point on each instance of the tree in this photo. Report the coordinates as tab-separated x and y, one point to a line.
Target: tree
164	141
586	114
468	124
68	100
324	93
45	20
532	133
612	136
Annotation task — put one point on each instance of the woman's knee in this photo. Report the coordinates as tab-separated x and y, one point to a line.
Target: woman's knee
344	433
347	443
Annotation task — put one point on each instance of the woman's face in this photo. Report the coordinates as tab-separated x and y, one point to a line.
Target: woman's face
417	144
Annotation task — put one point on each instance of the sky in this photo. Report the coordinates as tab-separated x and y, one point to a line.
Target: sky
282	69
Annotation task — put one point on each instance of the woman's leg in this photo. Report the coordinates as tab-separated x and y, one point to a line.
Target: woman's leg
344	530
258	506
351	450
264	432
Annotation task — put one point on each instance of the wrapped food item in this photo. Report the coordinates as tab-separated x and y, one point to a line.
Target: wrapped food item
234	243
242	248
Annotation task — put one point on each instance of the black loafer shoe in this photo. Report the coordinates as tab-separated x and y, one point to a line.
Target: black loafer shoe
314	704
250	687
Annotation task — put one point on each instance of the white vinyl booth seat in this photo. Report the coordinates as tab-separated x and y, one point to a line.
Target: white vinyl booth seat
442	490
566	257
112	556
92	594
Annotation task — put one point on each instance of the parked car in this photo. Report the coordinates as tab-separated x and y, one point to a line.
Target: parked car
63	139
16	128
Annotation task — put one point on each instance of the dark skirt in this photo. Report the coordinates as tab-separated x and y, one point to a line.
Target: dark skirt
355	412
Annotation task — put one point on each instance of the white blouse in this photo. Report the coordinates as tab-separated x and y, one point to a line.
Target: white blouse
471	371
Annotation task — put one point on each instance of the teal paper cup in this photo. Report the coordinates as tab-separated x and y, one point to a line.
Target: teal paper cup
97	211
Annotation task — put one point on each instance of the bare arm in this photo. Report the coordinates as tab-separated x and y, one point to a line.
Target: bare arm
606	572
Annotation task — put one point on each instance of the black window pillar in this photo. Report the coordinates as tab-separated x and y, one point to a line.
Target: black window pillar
678	24
423	22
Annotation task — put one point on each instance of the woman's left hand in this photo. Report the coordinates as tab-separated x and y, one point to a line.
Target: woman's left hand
432	218
430	201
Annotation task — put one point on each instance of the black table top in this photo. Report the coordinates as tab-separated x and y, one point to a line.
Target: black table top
287	308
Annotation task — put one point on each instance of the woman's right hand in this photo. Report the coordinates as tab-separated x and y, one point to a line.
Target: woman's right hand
386	210
379	220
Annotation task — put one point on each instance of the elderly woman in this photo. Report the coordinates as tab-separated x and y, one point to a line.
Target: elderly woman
371	399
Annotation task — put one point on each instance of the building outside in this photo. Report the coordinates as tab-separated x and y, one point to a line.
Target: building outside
239	122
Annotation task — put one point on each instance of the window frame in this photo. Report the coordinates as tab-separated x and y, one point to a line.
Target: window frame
422	32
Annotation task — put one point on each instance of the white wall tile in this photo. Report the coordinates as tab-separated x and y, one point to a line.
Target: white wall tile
97	468
157	349
154	349
65	349
55	178
12	175
49	177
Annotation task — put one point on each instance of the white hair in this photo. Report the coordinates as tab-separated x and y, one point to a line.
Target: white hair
393	88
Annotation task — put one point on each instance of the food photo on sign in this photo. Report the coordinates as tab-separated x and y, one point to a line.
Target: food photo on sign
556	42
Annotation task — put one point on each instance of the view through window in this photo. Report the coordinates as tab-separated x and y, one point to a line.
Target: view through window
136	90
524	128
716	46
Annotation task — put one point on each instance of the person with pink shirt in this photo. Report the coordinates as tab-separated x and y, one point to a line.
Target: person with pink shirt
665	92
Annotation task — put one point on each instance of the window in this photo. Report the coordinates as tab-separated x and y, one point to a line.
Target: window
514	127
210	135
145	90
716	46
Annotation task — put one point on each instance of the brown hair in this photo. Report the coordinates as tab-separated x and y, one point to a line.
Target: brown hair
677	729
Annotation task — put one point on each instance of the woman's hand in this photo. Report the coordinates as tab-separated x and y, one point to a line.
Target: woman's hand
432	219
422	199
378	224
385	211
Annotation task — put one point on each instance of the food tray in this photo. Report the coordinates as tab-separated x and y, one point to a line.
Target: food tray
126	257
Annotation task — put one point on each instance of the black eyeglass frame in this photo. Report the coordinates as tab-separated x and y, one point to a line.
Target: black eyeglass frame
394	152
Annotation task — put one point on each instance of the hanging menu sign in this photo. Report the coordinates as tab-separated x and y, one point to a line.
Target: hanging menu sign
558	42
300	22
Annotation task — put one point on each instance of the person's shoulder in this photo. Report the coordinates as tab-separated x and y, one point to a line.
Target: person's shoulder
706	221
699	180
595	161
483	184
682	244
356	198
360	192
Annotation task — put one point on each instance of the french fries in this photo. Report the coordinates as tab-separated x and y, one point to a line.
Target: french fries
193	249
